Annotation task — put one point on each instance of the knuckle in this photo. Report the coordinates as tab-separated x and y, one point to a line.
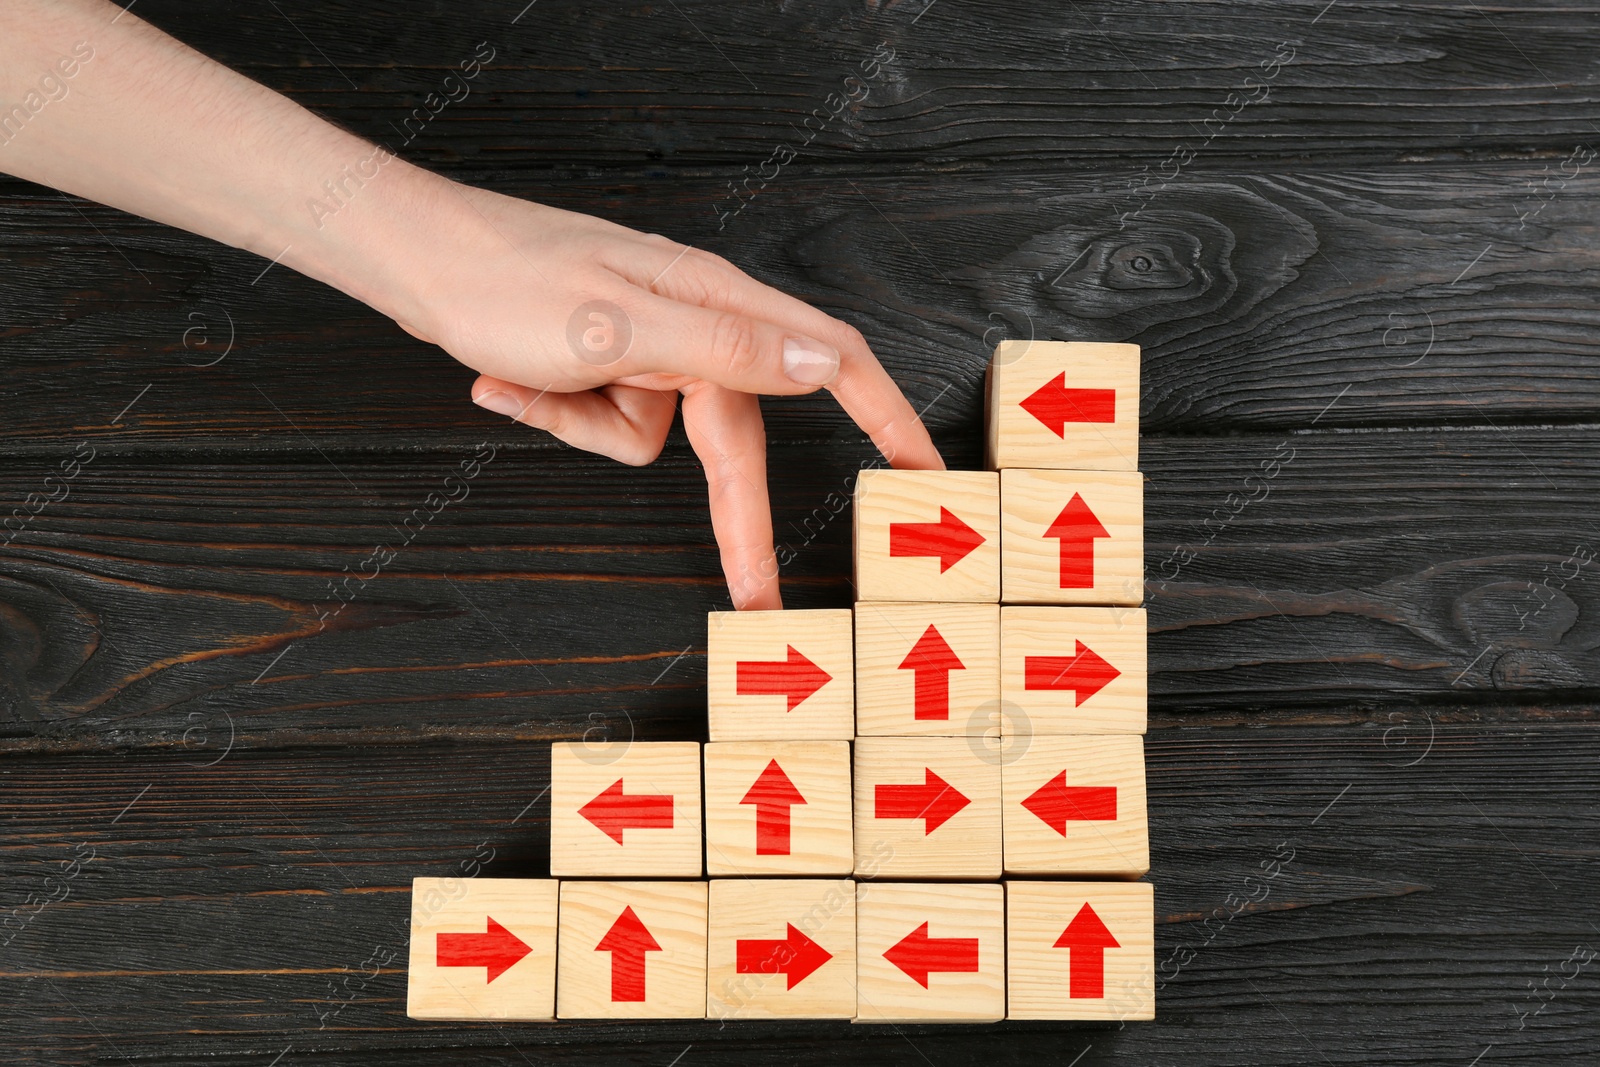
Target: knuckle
735	344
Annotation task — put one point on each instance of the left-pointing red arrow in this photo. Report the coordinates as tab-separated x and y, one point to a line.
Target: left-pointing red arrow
627	941
497	949
917	954
772	795
795	678
950	539
1056	803
795	957
614	811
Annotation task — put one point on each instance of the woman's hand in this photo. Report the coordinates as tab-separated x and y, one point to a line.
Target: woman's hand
590	331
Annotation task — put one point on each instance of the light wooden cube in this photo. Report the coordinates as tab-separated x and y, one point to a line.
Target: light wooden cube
1074	670
930	953
482	949
1063	405
636	814
926	669
1076	805
781	948
927	535
927	807
778	807
632	950
1080	950
1072	537
780	675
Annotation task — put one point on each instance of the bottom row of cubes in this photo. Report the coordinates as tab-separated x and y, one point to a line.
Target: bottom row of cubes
540	949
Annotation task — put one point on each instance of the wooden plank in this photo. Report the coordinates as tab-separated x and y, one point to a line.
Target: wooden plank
570	87
1316	874
1394	297
176	602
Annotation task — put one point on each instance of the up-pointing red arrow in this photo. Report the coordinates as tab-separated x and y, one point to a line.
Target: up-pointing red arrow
627	941
950	539
1057	803
795	957
496	949
931	660
1085	673
934	801
1087	939
773	794
795	678
614	811
1077	527
917	954
1055	405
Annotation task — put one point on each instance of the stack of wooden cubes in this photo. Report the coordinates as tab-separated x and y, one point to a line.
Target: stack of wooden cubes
930	808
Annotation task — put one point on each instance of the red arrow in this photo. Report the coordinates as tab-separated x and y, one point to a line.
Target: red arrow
1087	939
796	956
931	660
627	941
1085	674
950	539
795	678
497	949
1078	528
935	800
1055	405
773	794
614	811
917	954
1056	803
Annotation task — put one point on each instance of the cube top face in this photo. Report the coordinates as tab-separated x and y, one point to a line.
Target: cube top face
927	535
1076	806
781	948
1064	405
778	808
927	807
1074	670
780	675
482	948
930	952
1072	537
1080	950
929	670
632	811
632	950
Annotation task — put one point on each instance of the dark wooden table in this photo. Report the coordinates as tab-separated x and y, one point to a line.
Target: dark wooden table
1360	246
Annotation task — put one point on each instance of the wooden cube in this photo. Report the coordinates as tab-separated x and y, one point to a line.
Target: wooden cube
482	949
778	807
1063	405
1073	670
1076	805
927	535
927	807
632	950
636	814
930	953
926	669
1080	950
781	948
1072	537
780	675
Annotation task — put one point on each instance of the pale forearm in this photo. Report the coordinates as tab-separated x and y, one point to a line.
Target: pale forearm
98	103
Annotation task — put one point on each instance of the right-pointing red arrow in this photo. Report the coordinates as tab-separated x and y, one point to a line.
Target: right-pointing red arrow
1085	673
1087	939
917	954
1077	528
795	678
950	539
1055	405
496	949
934	801
795	957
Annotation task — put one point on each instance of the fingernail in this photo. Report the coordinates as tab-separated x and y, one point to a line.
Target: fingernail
809	362
499	403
